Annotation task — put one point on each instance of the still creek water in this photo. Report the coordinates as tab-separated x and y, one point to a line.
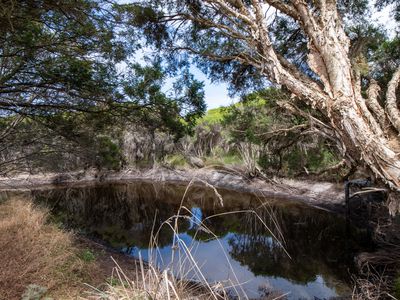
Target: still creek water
279	246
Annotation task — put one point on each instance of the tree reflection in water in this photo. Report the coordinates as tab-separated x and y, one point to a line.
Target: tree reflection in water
123	216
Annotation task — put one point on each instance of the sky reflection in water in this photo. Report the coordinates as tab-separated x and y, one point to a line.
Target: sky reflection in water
246	253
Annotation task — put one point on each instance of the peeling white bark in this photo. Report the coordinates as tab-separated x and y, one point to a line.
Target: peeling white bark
391	103
360	123
374	106
374	150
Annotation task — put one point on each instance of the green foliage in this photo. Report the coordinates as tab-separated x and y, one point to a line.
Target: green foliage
269	162
176	160
213	116
259	120
223	159
176	114
232	159
62	55
397	287
108	153
117	282
113	281
87	256
296	159
213	161
373	53
256	113
387	58
220	157
60	72
315	159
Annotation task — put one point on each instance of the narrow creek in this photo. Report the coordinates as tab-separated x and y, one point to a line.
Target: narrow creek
252	245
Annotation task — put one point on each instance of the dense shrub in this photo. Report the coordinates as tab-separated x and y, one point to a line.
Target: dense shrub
108	154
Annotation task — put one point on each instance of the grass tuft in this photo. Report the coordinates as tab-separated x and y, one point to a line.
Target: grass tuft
176	161
152	283
35	256
87	255
34	292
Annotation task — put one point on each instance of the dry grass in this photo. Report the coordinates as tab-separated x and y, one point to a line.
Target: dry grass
34	252
373	287
150	283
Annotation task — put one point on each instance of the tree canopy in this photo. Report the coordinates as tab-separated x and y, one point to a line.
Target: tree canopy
56	55
72	55
69	69
82	56
322	52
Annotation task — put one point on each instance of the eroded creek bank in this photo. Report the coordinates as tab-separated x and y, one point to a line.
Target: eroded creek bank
315	193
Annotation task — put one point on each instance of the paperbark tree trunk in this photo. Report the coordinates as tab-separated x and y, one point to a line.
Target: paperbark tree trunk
366	133
362	131
366	147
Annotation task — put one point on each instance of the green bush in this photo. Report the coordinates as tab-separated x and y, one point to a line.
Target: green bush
320	158
87	256
108	153
268	162
113	281
176	160
397	287
295	160
213	116
232	159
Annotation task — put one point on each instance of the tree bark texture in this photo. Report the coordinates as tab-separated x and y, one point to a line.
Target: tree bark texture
368	133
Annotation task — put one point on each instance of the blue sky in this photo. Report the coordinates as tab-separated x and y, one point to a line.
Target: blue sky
216	94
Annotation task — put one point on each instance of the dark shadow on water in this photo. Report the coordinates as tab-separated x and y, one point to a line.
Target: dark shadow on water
246	251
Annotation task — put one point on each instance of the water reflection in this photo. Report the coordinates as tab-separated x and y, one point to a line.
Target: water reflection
252	247
196	218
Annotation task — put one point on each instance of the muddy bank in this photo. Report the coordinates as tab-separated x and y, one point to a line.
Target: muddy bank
324	195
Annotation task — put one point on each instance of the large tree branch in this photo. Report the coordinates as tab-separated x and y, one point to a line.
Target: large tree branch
279	69
373	104
391	103
252	29
228	9
286	9
328	46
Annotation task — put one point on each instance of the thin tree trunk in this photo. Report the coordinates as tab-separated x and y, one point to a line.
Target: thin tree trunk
153	148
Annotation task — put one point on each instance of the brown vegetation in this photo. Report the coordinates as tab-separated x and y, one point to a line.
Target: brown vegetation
33	252
39	260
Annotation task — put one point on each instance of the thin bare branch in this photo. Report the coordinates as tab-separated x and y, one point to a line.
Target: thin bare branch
284	130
